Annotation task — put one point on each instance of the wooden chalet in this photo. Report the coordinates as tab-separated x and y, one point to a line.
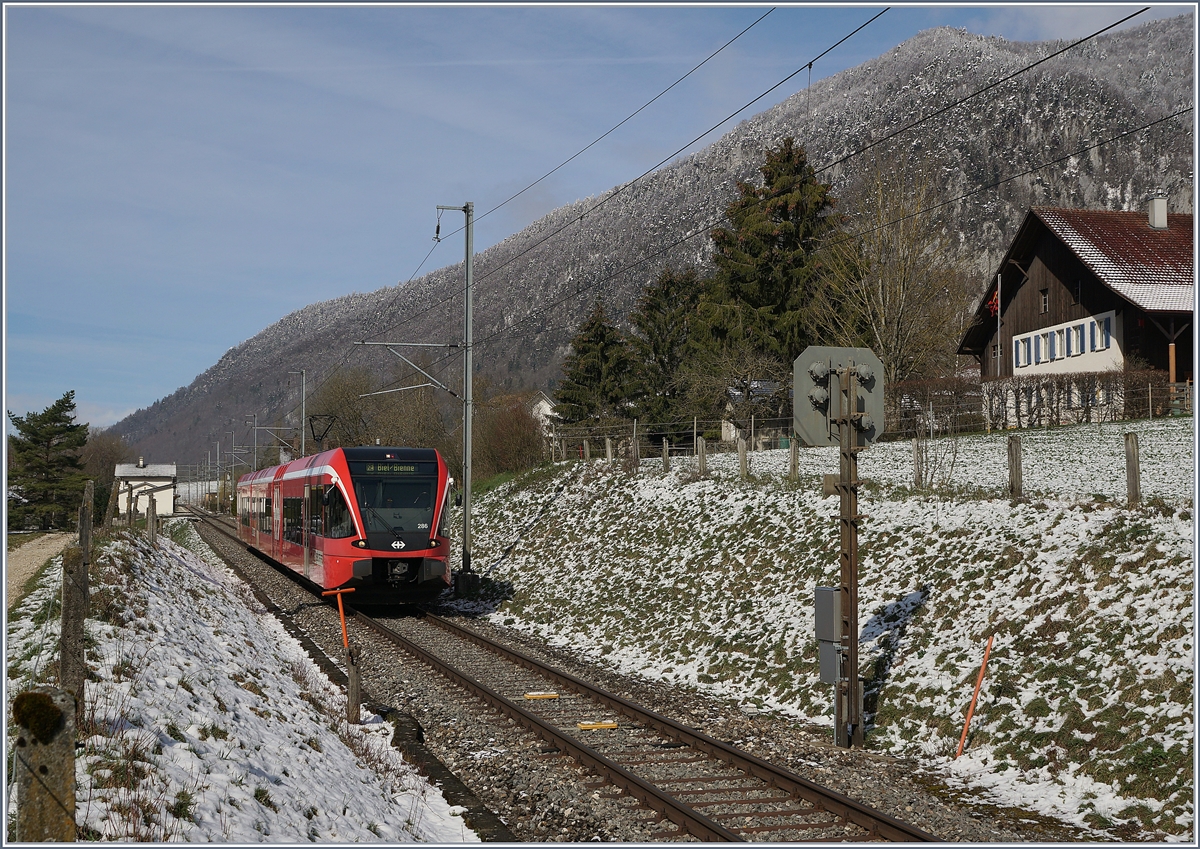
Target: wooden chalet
1082	290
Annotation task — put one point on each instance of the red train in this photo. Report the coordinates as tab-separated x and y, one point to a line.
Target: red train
370	518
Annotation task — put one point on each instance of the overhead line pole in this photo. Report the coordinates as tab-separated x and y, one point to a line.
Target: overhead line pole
303	398
468	209
468	581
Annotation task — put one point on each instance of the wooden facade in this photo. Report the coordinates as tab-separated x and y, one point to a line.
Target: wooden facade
1059	293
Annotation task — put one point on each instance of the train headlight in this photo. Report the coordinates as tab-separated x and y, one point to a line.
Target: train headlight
433	543
359	543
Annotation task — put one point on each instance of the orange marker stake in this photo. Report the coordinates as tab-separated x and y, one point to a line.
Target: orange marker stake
342	613
971	710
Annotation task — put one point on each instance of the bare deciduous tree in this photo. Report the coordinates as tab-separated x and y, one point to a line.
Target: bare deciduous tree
736	382
896	280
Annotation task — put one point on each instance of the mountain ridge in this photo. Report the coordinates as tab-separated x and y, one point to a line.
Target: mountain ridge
1108	86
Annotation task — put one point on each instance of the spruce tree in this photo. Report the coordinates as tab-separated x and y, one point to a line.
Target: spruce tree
597	375
45	481
664	320
766	276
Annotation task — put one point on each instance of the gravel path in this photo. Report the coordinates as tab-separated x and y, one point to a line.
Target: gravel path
21	563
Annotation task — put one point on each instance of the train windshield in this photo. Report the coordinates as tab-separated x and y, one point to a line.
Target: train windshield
395	505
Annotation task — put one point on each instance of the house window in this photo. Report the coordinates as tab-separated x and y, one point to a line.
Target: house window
1077	292
1027	350
1045	293
1079	349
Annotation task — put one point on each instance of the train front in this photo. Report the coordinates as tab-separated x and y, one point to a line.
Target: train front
400	498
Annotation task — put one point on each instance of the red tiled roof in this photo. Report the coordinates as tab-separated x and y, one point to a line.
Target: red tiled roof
1153	269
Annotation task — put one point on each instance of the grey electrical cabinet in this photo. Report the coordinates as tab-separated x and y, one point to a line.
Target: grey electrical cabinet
829	614
828	611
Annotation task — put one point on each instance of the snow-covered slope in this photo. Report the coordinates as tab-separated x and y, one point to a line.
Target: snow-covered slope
1086	711
207	722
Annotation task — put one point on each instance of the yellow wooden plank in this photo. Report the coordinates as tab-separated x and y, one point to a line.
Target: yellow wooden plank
541	695
594	726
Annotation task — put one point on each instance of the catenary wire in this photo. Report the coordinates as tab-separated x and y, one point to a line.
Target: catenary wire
911	125
579	290
648	171
619	124
704	229
410	317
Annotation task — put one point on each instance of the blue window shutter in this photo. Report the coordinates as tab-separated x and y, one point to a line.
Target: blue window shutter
1016	353
1053	344
1107	332
1037	349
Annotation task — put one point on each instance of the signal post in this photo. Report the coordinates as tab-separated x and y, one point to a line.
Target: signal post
838	400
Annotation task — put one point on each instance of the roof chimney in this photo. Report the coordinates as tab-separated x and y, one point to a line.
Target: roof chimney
141	463
1158	210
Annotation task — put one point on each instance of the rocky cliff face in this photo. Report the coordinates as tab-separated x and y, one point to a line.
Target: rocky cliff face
535	287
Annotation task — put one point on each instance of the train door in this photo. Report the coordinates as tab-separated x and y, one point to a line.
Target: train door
305	535
277	522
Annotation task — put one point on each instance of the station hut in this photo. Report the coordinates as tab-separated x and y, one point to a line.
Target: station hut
142	476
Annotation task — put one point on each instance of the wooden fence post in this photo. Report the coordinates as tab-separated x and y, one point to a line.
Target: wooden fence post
608	449
918	450
794	459
1014	467
72	662
587	450
1133	470
636	450
151	521
743	460
666	455
44	765
353	685
701	456
111	510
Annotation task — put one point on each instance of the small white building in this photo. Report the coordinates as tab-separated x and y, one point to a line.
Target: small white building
541	407
138	478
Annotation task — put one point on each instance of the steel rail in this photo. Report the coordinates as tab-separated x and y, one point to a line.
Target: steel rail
682	815
874	821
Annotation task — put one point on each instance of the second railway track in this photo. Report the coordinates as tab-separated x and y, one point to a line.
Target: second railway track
707	788
688	785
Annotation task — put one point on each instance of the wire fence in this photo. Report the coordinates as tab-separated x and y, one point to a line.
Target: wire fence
913	409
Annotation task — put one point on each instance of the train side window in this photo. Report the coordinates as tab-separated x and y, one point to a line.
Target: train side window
293	509
337	515
315	512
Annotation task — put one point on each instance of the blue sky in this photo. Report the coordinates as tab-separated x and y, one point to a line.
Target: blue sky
179	177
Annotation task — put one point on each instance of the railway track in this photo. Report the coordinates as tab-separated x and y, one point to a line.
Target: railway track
700	786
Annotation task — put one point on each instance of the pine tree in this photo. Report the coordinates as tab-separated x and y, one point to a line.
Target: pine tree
45	479
766	274
597	374
664	319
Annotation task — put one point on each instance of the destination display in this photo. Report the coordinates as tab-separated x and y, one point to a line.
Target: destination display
392	467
